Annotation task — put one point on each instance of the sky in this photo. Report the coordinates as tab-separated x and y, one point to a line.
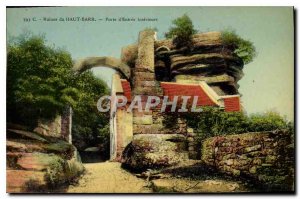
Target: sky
268	83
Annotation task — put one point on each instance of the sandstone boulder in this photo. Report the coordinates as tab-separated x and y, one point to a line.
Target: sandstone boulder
154	151
19	181
36	163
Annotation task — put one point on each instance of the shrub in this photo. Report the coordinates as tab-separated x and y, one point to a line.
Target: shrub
182	32
242	48
55	172
267	122
214	122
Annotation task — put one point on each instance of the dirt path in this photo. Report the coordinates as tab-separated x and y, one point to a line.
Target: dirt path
108	177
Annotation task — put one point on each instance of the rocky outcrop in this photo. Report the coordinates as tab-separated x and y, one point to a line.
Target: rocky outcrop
199	40
207	60
36	163
154	151
264	157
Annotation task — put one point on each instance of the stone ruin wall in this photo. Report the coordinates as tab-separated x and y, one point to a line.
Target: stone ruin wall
265	157
59	127
145	84
152	145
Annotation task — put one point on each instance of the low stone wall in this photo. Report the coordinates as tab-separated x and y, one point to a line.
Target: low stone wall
265	157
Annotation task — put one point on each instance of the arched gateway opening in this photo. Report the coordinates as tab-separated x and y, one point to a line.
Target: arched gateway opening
124	72
110	62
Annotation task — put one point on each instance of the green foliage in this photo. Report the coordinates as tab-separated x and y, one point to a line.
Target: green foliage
40	84
88	122
242	48
214	122
55	172
182	32
38	80
169	121
267	122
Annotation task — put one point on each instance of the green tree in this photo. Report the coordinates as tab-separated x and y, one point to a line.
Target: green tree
267	122
40	84
90	127
182	31
38	80
242	48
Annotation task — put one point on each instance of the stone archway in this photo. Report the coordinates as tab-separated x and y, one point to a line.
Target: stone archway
110	62
123	70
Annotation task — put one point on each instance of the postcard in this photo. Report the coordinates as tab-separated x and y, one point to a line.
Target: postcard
150	100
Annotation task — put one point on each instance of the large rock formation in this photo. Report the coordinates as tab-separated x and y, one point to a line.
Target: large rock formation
208	59
36	163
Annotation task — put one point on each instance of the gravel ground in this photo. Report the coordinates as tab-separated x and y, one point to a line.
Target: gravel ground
108	177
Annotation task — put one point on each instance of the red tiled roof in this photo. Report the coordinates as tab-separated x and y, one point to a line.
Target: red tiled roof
126	89
173	89
232	104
